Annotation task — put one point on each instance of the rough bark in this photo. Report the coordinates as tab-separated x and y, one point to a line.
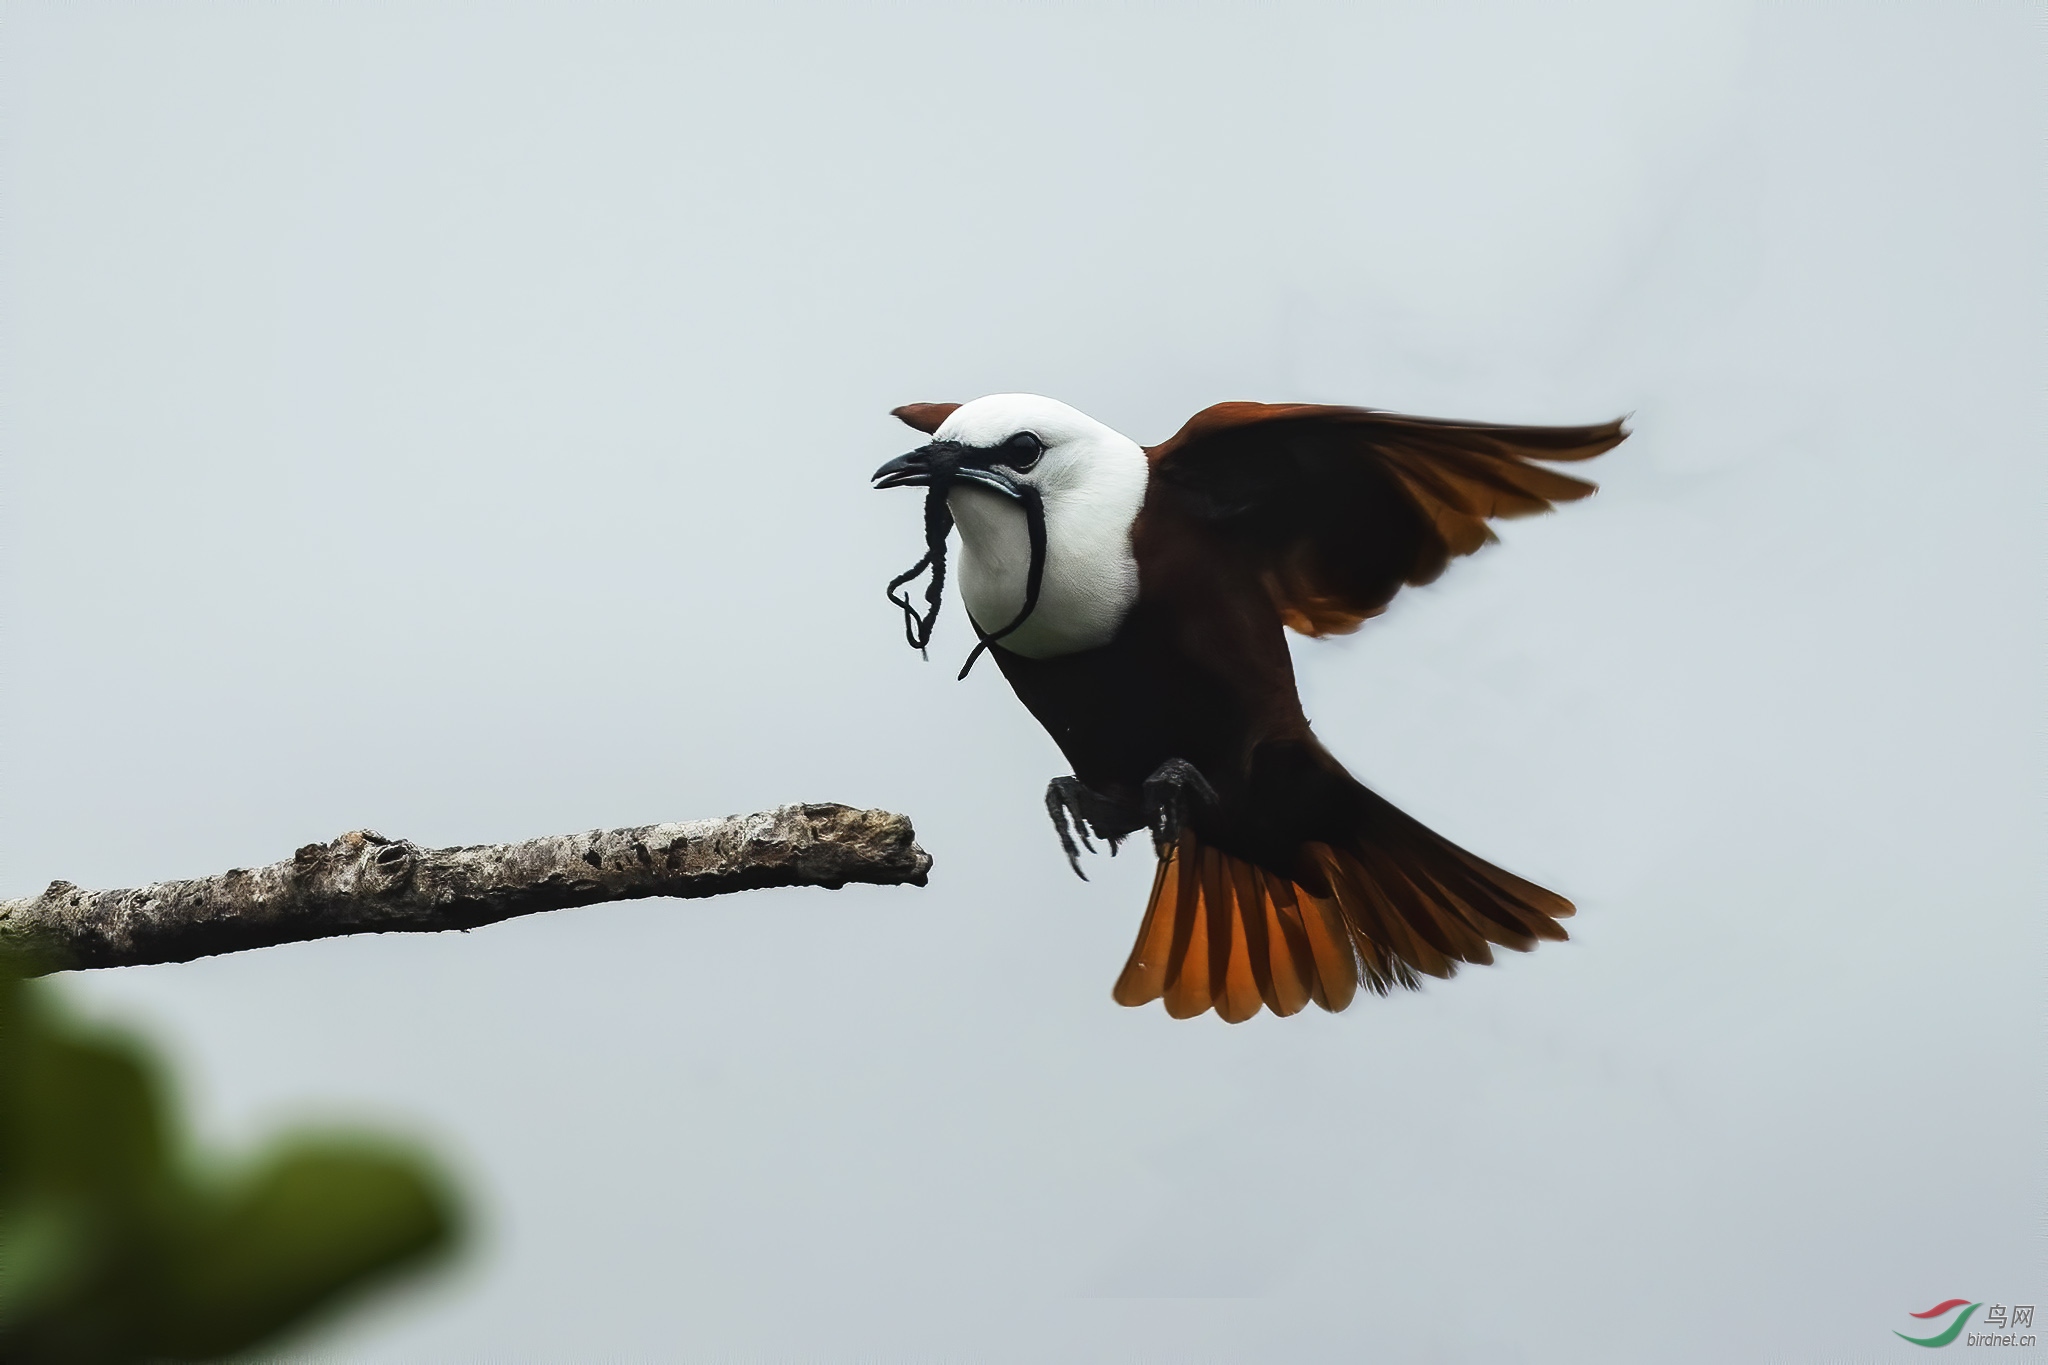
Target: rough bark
364	883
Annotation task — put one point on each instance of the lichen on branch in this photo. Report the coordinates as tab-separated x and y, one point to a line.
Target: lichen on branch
364	883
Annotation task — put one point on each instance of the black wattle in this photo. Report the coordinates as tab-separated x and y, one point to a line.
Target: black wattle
938	524
1034	527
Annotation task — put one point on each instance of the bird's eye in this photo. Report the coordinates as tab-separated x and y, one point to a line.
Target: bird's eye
1022	450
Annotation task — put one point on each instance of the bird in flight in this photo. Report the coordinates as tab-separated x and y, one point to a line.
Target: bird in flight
1136	596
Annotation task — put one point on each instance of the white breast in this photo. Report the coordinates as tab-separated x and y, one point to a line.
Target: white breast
1091	578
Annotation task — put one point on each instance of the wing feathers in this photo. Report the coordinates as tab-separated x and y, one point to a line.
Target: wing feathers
1339	507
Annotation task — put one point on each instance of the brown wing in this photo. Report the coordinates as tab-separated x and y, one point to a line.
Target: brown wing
926	417
1341	506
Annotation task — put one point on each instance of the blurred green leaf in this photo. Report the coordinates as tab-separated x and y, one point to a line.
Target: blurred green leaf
115	1246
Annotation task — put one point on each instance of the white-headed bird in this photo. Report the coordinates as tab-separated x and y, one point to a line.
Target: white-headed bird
1135	598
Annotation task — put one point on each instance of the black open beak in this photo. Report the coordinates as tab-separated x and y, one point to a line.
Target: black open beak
945	460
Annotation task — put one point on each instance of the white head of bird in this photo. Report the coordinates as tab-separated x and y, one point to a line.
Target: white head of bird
1090	480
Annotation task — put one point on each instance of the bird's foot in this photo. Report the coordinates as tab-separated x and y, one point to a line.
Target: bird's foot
1078	810
1171	795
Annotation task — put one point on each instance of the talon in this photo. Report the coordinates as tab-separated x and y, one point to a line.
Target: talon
1066	819
1079	811
1055	805
1172	794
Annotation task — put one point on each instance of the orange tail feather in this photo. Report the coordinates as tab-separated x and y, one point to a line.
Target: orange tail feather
1221	933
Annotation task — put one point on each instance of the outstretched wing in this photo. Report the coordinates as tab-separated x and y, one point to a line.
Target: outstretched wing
1339	506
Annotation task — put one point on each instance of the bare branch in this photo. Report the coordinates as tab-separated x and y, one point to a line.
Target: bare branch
364	883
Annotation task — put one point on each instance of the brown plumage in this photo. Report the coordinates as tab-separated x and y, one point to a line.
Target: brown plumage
1342	506
1289	881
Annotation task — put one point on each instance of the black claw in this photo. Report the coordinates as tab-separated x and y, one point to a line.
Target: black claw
1079	811
1067	820
1171	795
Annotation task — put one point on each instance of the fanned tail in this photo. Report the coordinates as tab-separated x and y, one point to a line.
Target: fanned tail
1392	901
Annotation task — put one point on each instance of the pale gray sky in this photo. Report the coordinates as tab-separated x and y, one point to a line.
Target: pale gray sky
455	419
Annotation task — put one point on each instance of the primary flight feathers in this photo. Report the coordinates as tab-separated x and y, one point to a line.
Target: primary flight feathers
1342	506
